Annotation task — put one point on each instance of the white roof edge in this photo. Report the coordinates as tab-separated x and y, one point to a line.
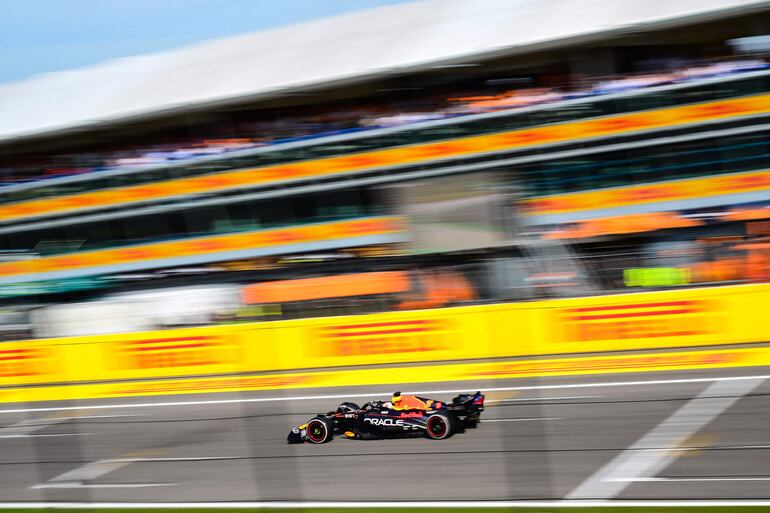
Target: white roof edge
391	39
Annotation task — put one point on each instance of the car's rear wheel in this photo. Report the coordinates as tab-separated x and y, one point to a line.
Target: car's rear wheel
438	427
319	431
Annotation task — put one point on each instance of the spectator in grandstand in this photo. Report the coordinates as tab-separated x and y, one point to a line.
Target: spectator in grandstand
714	69
251	134
628	83
507	100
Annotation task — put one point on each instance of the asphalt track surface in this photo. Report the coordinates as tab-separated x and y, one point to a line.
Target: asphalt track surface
672	435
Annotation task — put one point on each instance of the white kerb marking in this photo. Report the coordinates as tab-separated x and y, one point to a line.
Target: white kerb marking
27	428
664	442
80	477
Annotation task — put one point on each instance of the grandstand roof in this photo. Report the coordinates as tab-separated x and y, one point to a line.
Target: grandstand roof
380	41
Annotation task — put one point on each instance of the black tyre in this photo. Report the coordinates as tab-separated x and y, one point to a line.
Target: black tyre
458	426
438	427
319	431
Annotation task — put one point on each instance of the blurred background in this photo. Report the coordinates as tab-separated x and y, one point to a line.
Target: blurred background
387	162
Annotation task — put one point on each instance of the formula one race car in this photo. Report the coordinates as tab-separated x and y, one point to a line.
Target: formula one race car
403	416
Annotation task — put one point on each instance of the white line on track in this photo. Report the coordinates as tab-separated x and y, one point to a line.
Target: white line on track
87	417
44	435
525	399
379	394
75	485
191	458
724	447
710	447
686	479
668	436
382	505
521	420
91	470
28	428
80	477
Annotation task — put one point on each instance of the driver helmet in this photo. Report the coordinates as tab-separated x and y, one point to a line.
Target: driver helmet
396	399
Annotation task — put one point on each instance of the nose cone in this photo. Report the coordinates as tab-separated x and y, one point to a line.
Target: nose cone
296	436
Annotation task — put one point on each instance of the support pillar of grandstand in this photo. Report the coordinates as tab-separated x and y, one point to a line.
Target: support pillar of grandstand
760	26
591	62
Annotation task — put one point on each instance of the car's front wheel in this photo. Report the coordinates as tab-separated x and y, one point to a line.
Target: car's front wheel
319	430
438	427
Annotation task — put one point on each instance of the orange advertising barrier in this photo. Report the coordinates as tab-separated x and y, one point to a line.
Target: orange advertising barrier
650	320
733	183
304	289
413	154
206	245
633	223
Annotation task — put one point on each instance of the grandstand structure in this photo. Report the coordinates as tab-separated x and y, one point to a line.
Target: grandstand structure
602	123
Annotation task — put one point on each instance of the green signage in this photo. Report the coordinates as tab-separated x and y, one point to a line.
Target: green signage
51	286
656	276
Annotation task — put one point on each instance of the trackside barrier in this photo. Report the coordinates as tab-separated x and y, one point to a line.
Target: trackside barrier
681	318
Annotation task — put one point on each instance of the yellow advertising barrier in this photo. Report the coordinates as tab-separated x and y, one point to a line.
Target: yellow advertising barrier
649	320
668	361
